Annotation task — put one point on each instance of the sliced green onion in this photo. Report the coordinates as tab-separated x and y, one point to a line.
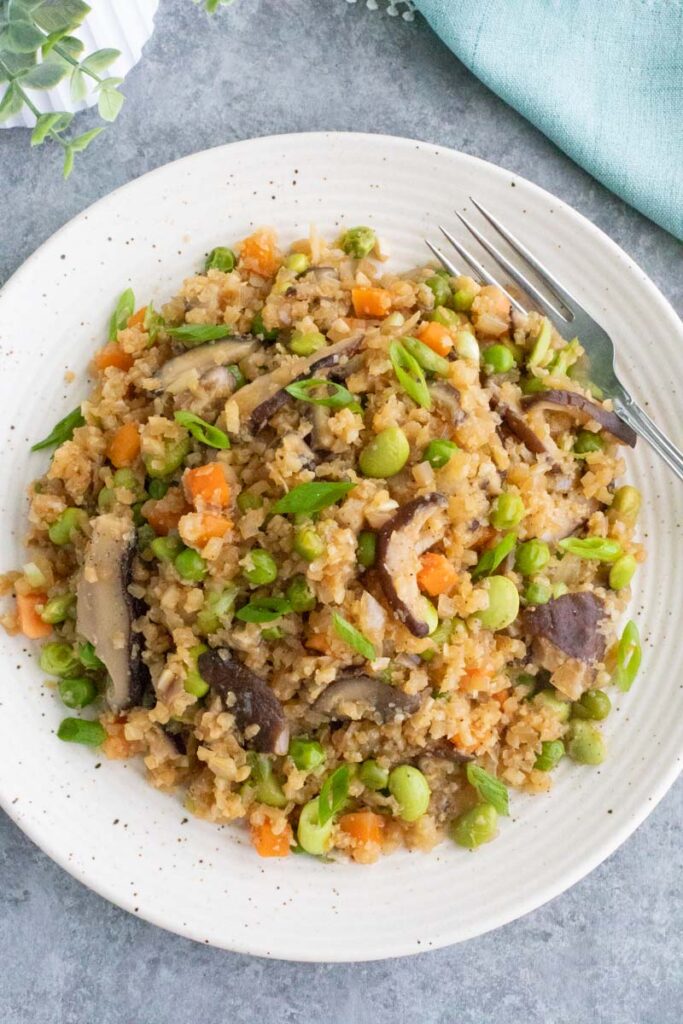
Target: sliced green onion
599	549
539	352
198	334
492	558
427	358
410	375
62	431
201	430
312	497
333	795
152	323
264	609
490	789
338	397
125	307
351	636
80	730
629	657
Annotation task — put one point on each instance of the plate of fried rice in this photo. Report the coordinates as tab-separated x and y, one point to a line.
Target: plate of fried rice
335	593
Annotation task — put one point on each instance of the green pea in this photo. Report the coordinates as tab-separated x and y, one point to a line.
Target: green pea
80	730
446	317
593	704
259	329
306	754
466	346
537	592
508	510
410	790
308	544
531	557
366	552
585	743
174	454
463	299
313	837
298	262
552	752
300	595
385	455
77	693
260	567
503	603
440	288
220	258
587	441
475	827
438	453
626	504
218	604
58	659
58	608
190	565
531	385
193	682
69	522
157	489
498	359
621	573
373	775
305	343
549	699
247	500
127	478
166	549
358	242
106	499
88	658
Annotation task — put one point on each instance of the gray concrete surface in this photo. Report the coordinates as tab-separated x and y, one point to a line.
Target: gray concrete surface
610	950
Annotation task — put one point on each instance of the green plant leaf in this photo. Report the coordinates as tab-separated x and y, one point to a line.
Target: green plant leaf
11	102
68	162
51	41
60	15
109	104
71	46
23	37
79	88
82	142
100	60
44	76
56	122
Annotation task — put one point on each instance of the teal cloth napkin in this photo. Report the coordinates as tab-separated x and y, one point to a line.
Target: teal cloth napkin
602	78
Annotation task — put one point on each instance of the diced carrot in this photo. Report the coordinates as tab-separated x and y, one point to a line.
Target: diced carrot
112	355
124	446
268	843
474	679
436	574
318	642
436	337
259	253
116	747
30	622
138	317
501	696
207	486
165	514
371	302
198	528
363	826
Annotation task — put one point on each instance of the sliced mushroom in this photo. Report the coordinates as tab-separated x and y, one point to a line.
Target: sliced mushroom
582	409
518	426
353	697
413	529
184	372
258	401
106	611
249	698
570	623
448	398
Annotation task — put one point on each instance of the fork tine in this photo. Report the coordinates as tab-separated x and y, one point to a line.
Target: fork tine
481	272
515	274
443	259
549	279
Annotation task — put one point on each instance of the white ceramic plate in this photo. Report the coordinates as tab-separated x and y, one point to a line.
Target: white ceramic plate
133	845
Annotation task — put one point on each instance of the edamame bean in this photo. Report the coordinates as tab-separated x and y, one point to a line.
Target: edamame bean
438	453
173	456
127	479
385	455
508	510
58	659
621	573
58	608
305	343
313	837
531	557
366	552
373	775
80	730
475	827
626	504
440	289
503	605
410	790
549	699
190	565
193	682
498	359
77	693
300	595
537	592
298	262
358	242
552	752
587	441
585	743
306	754
69	522
593	704
220	258
308	544
260	567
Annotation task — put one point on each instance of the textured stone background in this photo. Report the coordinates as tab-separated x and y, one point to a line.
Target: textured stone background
610	950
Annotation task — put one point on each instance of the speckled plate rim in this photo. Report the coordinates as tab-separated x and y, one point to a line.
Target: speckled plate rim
404	942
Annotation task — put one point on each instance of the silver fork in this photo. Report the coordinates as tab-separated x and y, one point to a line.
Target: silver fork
594	339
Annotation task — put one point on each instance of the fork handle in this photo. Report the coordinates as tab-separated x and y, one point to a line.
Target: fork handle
629	411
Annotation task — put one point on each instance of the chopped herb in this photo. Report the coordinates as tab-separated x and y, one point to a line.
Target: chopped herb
333	795
125	308
346	632
264	609
490	789
312	497
492	557
62	431
198	334
410	375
